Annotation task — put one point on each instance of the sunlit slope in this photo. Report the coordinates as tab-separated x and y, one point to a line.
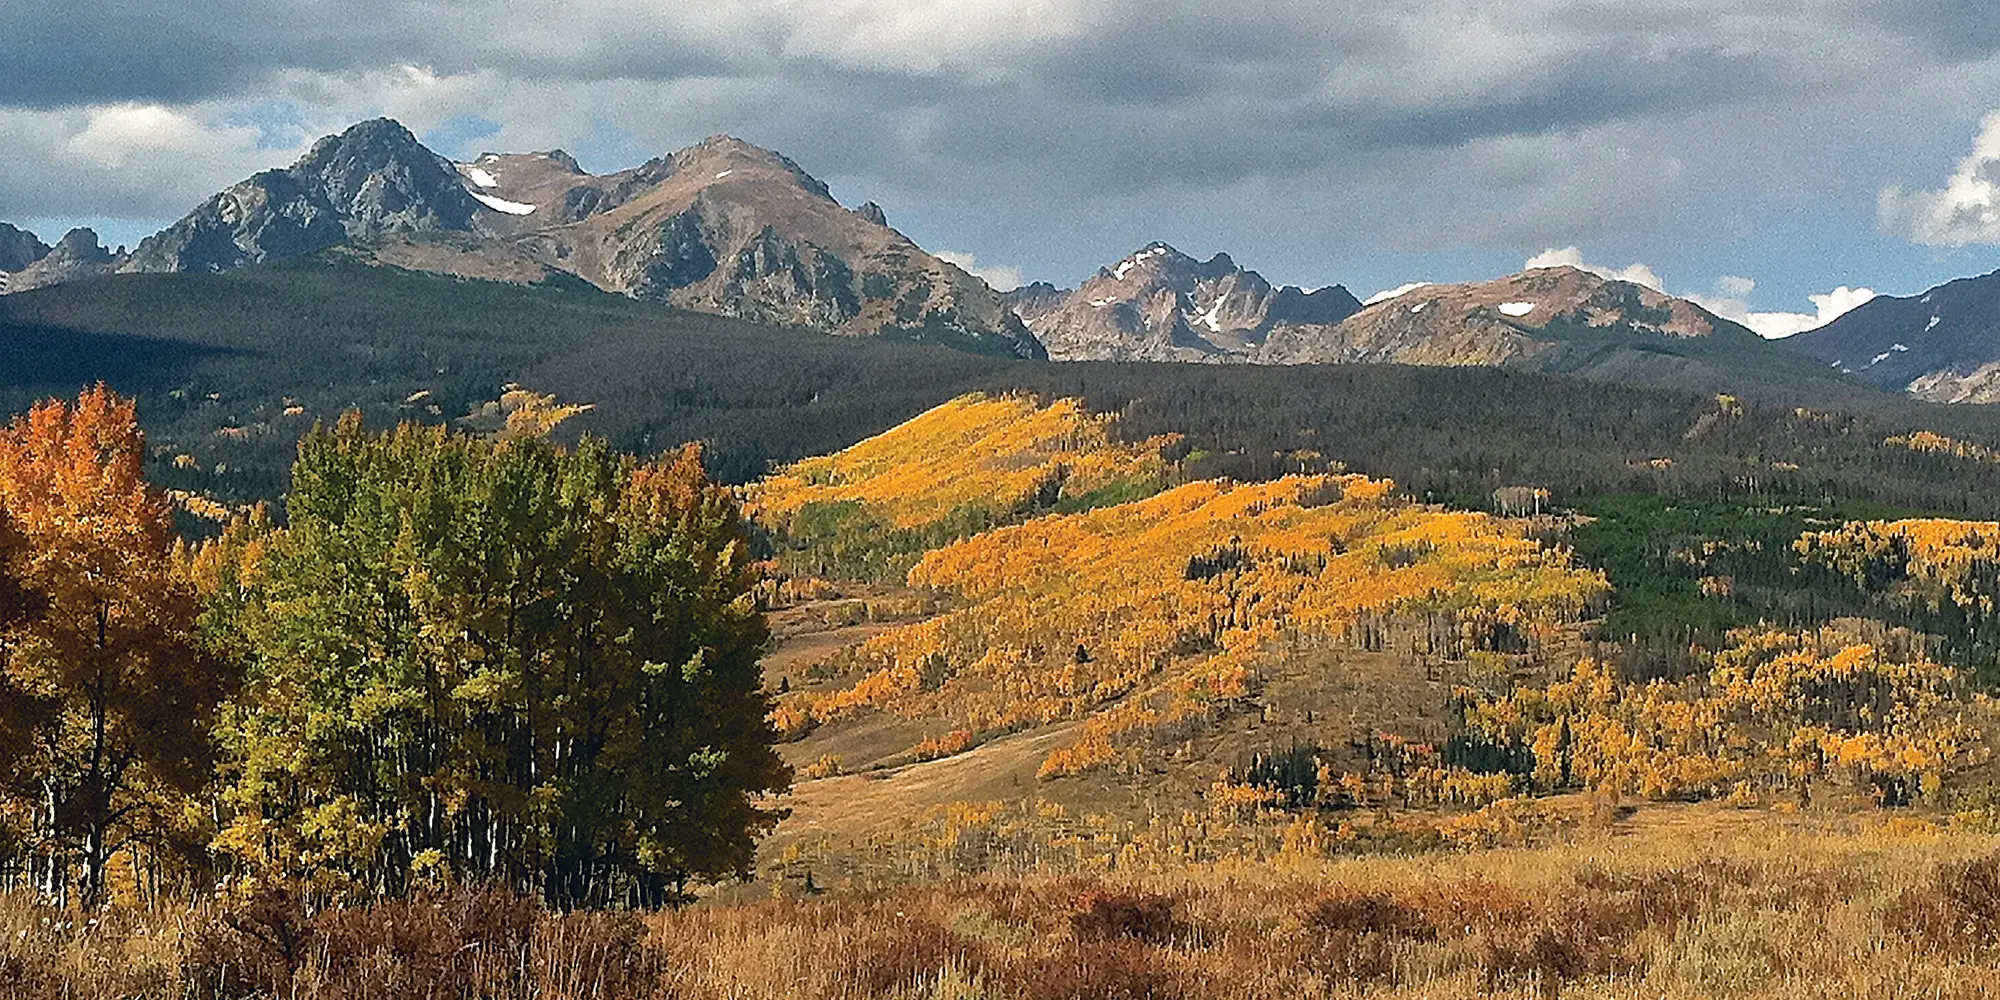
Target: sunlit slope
1001	453
1153	613
977	462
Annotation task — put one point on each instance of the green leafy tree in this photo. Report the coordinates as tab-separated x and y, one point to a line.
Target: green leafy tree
497	660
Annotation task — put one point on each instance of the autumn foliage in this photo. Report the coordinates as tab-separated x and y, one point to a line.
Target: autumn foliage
870	511
1180	594
1777	714
503	661
990	451
108	692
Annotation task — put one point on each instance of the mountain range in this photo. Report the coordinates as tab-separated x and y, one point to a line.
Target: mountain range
1943	345
1161	305
730	229
721	227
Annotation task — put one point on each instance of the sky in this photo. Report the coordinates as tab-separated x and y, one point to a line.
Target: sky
1778	160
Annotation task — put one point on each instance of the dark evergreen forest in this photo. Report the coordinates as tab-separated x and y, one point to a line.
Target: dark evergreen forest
231	369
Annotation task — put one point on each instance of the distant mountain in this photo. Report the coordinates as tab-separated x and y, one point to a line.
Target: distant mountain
76	256
1943	345
1519	320
1562	319
728	228
19	248
373	181
1161	305
723	227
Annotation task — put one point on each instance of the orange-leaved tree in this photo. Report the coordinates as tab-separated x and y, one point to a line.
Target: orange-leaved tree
108	686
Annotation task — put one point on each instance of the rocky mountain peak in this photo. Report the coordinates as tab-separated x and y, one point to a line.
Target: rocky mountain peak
561	159
721	157
371	182
76	256
80	245
382	180
1160	304
873	213
19	248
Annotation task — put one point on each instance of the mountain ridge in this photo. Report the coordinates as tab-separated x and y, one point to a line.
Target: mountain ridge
723	227
1159	304
1941	345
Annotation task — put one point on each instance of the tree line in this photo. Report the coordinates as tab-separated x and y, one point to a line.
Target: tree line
461	658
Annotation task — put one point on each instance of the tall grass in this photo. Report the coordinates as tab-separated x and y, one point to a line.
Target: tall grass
1698	903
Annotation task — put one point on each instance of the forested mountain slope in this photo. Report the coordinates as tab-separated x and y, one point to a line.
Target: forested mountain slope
230	368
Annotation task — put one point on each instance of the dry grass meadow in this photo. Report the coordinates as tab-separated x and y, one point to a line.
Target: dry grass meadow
1665	902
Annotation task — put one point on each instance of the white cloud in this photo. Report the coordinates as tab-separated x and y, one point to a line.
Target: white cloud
1731	301
1735	286
113	135
1389	293
1966	211
123	161
1638	274
1002	278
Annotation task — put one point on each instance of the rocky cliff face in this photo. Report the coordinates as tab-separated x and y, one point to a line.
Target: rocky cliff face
76	256
373	181
1943	345
1162	305
729	228
19	248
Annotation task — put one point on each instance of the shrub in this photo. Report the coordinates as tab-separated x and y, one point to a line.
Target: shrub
1958	911
1102	915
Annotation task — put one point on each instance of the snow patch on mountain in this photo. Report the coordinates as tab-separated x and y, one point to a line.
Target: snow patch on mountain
1390	293
502	204
1134	261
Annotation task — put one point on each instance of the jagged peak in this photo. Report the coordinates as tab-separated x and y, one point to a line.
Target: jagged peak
374	131
562	158
1139	257
19	247
79	238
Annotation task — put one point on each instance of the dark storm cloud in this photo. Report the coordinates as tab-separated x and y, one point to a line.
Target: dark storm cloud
1954	29
1044	128
56	54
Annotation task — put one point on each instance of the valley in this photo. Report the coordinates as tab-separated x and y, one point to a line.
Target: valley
673	582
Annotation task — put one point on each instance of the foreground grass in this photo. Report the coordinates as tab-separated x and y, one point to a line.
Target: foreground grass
1677	902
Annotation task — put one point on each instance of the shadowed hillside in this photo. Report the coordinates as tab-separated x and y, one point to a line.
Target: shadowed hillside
229	369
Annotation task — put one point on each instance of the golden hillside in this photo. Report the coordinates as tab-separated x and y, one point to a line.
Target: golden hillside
1169	608
1000	453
